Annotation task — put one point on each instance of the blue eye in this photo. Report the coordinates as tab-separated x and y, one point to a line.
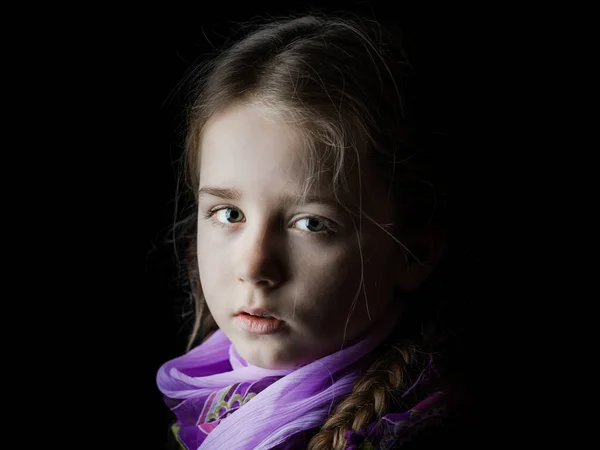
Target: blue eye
228	215
313	224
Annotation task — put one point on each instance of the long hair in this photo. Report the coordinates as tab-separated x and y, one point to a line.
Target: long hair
350	86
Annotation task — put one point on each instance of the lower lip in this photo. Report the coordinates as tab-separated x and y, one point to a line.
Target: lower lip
257	325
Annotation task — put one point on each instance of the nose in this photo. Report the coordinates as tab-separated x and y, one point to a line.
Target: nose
260	263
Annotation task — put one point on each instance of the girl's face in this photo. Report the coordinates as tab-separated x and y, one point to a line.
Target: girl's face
263	252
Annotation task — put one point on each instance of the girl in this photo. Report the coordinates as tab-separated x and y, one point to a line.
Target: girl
314	249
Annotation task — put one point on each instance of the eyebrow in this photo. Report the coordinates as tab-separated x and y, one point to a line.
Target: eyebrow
226	194
235	194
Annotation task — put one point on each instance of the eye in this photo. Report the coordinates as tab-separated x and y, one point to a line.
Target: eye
228	215
315	225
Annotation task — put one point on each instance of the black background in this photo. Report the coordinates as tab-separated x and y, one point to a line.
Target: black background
101	118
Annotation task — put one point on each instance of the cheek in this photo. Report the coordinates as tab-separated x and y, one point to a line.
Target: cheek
329	279
347	278
212	258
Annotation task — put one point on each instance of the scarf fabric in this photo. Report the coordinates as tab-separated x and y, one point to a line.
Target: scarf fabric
207	385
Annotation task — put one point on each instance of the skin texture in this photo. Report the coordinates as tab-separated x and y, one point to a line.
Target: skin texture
302	263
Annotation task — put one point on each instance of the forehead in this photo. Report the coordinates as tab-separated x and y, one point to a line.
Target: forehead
243	129
253	142
251	147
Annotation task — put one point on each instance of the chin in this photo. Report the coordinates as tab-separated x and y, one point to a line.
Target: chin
263	359
260	355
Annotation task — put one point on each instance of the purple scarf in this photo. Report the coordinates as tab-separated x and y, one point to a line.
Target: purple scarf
211	382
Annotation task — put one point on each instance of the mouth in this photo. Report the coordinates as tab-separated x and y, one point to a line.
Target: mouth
257	321
258	313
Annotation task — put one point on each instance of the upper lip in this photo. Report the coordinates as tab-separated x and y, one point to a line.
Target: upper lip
256	312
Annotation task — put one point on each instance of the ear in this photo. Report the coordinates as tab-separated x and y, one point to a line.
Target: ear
419	257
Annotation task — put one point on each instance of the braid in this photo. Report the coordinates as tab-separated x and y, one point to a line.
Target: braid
370	398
